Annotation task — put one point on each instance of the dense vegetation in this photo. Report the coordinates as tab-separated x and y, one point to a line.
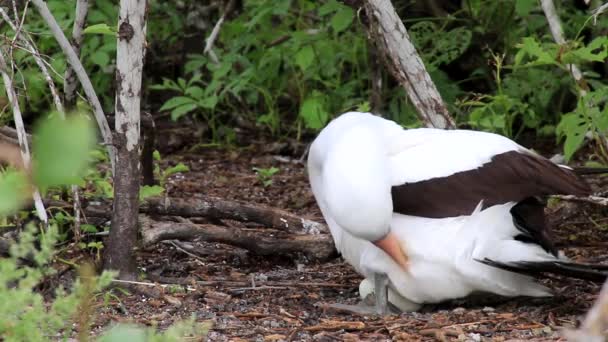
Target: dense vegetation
285	69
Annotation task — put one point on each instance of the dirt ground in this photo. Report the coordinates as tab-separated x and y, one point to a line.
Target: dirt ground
254	298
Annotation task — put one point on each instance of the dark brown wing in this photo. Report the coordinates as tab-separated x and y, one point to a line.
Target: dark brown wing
510	176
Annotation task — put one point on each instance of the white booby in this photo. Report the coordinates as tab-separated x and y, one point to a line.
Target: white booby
441	213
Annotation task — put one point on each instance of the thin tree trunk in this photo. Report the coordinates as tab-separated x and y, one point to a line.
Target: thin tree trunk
129	66
71	81
390	36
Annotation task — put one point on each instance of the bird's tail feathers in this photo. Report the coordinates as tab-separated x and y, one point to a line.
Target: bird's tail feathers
592	272
590	170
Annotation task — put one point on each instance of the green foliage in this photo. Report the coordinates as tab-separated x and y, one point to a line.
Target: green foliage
24	315
265	175
178	332
13	191
319	47
590	116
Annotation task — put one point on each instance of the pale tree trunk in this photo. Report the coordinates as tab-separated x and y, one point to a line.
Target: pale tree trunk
390	36
131	47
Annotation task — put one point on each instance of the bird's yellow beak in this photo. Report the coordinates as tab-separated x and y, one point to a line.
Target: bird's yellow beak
392	247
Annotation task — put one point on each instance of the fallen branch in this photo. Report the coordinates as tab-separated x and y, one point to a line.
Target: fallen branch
318	247
9	135
215	208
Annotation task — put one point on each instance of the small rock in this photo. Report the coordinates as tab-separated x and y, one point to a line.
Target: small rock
488	309
459	310
474	337
172	300
275	337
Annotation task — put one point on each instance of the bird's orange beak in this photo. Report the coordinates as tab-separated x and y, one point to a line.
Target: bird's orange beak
392	247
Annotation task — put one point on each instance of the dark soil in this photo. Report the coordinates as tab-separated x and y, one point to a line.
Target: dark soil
242	306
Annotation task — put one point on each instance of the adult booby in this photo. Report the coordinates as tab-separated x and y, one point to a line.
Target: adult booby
441	213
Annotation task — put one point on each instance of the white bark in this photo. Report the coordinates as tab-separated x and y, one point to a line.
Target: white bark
21	134
407	66
87	86
129	68
598	11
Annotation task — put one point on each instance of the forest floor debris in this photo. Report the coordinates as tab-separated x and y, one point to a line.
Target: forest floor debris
278	298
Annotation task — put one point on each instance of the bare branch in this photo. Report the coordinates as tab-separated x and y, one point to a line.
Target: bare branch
71	81
558	35
29	44
598	11
390	35
20	127
215	32
74	61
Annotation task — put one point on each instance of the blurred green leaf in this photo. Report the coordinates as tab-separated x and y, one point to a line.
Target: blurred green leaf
176	102
61	150
100	29
342	19
14	191
148	191
305	57
313	111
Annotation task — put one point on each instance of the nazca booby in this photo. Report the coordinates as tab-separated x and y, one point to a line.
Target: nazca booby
438	214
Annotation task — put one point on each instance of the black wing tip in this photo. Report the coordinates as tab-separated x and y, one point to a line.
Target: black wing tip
591	272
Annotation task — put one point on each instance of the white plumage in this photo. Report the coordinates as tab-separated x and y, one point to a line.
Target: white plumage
354	163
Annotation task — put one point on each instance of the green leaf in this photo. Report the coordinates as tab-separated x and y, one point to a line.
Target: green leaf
100	29
195	92
574	126
524	7
156	155
148	191
329	7
209	102
342	19
532	47
61	150
176	102
100	58
180	167
88	228
182	110
313	112
305	57
13	191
